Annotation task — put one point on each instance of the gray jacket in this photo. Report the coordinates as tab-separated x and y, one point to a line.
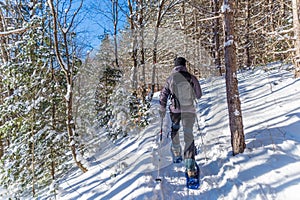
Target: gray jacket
166	92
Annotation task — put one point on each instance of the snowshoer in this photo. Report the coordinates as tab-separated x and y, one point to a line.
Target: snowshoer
182	88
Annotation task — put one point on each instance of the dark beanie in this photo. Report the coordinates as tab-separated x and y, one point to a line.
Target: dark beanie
179	61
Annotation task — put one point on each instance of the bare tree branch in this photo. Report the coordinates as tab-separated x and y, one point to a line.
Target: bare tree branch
15	31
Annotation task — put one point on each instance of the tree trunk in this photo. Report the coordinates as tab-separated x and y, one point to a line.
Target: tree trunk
154	61
71	125
183	27
134	83
115	21
156	32
4	56
32	145
1	148
67	68
3	44
142	50
53	121
247	35
296	23
233	100
216	37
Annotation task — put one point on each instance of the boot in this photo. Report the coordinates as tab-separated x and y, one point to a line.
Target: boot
190	166
176	151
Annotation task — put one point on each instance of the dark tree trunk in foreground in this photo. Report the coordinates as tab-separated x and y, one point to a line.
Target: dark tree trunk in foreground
233	100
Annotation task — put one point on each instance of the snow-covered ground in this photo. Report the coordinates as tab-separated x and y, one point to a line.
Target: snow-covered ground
268	169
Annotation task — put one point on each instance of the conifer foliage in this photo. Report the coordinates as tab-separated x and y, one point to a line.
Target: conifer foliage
107	86
31	132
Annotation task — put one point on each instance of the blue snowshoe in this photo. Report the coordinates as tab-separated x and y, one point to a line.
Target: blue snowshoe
193	178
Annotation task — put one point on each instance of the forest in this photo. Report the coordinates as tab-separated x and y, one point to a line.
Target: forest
59	98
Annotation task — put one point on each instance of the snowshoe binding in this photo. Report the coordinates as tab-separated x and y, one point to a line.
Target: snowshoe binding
176	154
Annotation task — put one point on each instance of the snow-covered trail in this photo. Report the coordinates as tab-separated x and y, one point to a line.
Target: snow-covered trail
120	170
268	169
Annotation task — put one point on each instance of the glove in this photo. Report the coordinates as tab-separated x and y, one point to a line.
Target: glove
162	113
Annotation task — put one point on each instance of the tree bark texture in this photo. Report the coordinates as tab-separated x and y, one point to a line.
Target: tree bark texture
296	24
156	32
132	18
4	55
142	50
3	44
216	36
115	13
233	100
248	61
1	148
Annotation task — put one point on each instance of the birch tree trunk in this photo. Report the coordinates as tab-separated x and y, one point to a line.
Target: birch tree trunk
296	24
233	100
67	67
134	82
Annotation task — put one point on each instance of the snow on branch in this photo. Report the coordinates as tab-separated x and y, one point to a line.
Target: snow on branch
228	43
225	7
210	18
16	31
283	52
280	32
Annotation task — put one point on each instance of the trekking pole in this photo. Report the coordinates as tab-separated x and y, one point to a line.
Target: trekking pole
204	147
158	179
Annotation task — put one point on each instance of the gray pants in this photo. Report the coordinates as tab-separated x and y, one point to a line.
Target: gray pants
187	120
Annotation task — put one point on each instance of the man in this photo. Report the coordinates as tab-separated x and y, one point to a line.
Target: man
182	109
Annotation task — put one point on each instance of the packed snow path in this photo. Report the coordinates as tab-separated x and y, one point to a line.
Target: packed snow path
268	169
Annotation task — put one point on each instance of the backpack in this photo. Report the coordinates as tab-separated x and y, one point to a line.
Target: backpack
182	90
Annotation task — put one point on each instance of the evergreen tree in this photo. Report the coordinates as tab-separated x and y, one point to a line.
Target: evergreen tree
32	89
106	88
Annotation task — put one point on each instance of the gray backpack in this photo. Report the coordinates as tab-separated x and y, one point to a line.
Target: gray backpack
182	90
